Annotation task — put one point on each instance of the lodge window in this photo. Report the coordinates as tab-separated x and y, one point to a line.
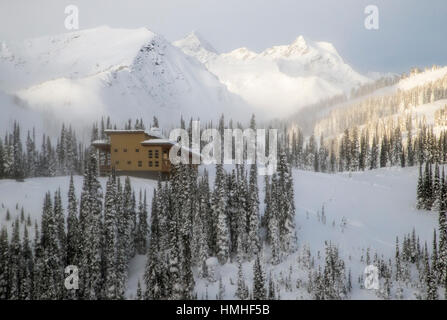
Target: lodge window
129	162
156	163
156	153
117	162
137	150
140	163
116	150
150	153
125	150
150	163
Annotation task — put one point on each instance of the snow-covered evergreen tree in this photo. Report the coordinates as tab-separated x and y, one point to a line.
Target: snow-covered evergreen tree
259	291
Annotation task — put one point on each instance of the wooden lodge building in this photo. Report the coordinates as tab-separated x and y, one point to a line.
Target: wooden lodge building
134	152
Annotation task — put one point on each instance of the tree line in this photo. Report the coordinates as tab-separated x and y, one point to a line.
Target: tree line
20	161
359	150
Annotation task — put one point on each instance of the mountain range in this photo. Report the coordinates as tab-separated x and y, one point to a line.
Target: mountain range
122	73
281	78
133	73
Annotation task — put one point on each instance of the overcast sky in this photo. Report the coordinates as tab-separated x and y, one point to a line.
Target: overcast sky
411	32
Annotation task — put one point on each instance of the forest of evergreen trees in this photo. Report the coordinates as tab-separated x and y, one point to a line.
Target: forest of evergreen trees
371	110
99	234
51	158
190	222
195	221
356	151
19	161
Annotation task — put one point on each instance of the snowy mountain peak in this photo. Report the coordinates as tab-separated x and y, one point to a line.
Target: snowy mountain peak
196	46
299	44
284	77
118	72
72	55
241	54
302	47
196	39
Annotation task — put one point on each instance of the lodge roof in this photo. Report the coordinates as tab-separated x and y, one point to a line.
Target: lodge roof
101	142
153	132
158	142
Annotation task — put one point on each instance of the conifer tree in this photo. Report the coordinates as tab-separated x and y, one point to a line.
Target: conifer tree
4	264
142	229
222	240
111	287
242	290
26	268
271	288
73	240
420	190
91	224
60	225
52	266
259	291
253	213
154	276
15	262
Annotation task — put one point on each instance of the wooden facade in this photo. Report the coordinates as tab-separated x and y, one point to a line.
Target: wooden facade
133	151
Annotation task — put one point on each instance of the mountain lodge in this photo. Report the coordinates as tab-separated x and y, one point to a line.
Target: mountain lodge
134	152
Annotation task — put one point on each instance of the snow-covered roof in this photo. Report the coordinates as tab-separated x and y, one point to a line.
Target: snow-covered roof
124	131
153	132
100	142
158	141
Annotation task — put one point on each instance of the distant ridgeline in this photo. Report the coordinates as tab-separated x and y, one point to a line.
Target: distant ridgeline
399	127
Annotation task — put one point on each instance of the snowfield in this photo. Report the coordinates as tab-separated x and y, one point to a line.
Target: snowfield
376	206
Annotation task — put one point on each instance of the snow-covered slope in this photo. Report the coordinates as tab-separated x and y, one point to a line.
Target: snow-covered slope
281	78
419	79
376	205
418	95
195	45
118	72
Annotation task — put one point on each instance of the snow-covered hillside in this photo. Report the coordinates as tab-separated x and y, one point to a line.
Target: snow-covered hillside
419	96
280	78
376	206
118	72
